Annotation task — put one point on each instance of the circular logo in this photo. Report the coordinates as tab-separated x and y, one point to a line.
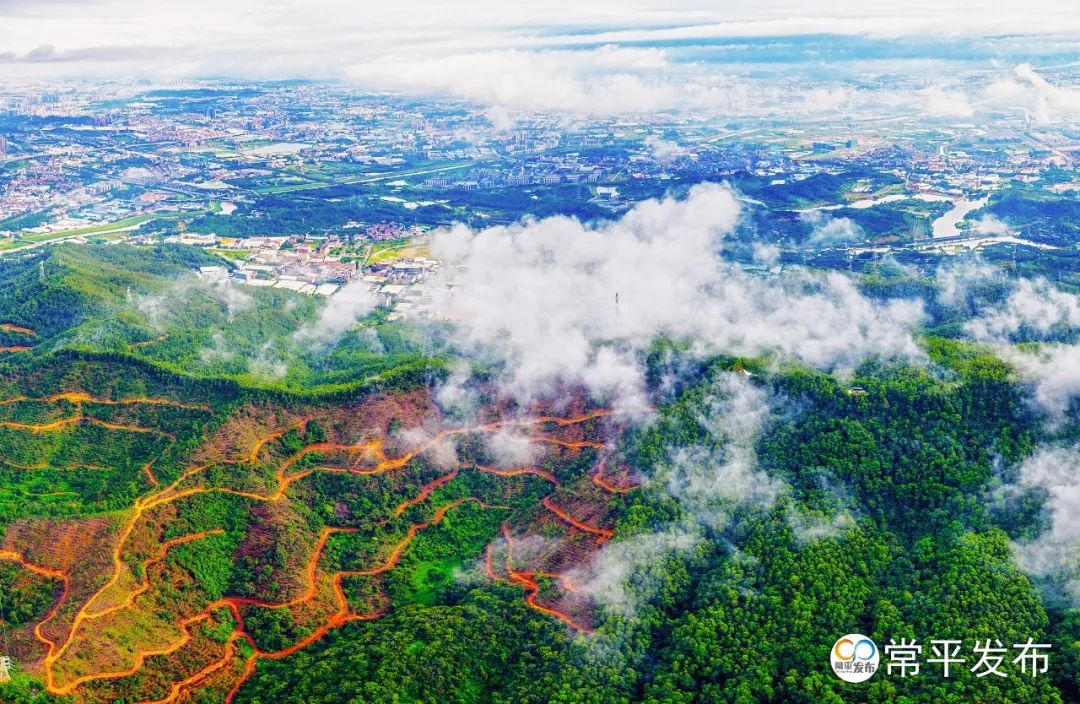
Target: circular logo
854	658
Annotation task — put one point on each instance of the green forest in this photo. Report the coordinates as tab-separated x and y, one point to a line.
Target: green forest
884	525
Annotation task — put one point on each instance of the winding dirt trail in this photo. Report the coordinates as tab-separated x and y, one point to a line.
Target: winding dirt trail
527	580
603	533
21	330
369	458
12	556
425	492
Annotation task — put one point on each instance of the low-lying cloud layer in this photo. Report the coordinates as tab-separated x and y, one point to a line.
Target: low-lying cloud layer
322	38
350	303
613	79
1035	307
560	301
1055	372
1043	102
160	308
1056	553
1034	310
828	230
605	81
711	480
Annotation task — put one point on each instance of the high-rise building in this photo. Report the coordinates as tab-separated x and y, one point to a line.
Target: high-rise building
3	145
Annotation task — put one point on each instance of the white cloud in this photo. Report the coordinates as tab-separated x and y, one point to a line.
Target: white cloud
603	58
604	81
351	302
267	366
711	479
217	351
817	100
511	447
766	253
1055	372
501	120
617	80
161	309
627	572
1042	101
560	301
234	299
664	151
1035	306
955	282
945	102
322	38
830	231
1055	553
1034	309
455	396
990	225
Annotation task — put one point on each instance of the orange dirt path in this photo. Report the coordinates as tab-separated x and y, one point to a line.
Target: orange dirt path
12	327
343	614
425	492
78	397
572	444
12	556
144	584
535	471
75	420
527	580
604	533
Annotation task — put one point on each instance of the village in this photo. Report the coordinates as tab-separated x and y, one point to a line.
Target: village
393	269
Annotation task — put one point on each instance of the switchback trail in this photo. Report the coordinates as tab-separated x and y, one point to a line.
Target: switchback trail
119	593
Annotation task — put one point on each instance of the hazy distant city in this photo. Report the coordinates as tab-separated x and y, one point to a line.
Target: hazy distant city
307	185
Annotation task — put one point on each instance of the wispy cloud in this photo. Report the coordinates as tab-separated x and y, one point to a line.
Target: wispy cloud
340	312
1043	102
1054	554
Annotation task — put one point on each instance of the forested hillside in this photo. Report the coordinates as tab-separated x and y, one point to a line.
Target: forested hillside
180	535
152	304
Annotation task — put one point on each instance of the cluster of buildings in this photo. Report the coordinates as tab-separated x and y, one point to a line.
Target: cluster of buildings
309	266
399	286
101	156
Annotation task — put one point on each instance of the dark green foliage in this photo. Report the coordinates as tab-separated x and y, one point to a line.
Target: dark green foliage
147	304
749	615
477	651
24	689
1039	215
24	597
904	459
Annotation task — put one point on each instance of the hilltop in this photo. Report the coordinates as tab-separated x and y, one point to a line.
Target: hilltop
153	304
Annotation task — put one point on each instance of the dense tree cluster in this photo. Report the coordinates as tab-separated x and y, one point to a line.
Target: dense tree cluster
750	613
882	525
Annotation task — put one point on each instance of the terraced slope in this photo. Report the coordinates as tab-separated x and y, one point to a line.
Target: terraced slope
191	534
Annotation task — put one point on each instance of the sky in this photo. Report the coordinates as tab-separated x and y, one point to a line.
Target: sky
343	39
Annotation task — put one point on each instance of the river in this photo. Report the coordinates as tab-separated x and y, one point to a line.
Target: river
946	225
